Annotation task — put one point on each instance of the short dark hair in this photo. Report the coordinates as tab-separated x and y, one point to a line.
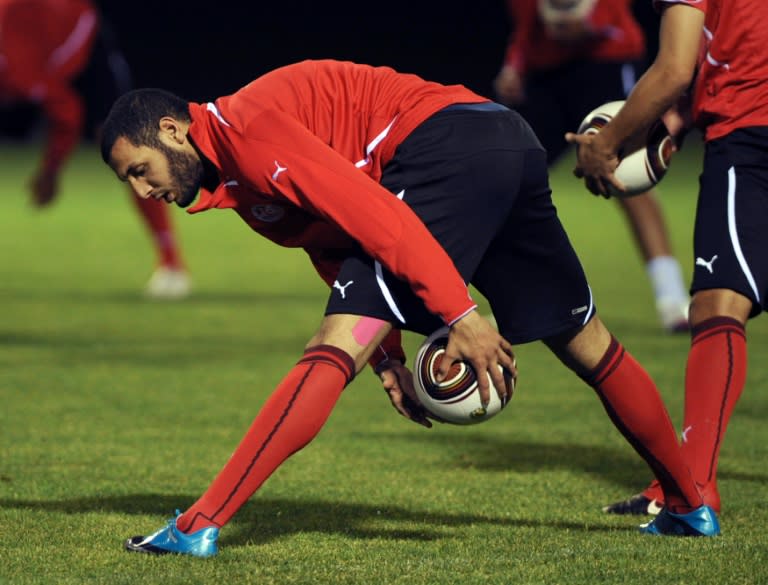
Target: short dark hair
136	115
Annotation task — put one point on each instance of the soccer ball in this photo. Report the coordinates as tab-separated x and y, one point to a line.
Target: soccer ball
644	159
556	11
456	399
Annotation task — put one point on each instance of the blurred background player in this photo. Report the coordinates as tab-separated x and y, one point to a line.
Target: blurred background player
563	59
723	46
58	62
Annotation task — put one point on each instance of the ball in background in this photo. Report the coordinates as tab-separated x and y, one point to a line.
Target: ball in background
557	11
644	159
456	400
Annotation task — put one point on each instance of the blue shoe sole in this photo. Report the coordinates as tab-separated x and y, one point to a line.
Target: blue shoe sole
700	522
170	540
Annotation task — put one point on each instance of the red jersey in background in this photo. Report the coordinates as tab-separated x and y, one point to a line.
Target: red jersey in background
617	37
44	44
731	90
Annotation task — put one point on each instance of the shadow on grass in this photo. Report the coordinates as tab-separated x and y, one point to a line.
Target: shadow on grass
265	520
621	467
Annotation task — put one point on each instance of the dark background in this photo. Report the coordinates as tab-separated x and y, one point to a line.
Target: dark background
203	51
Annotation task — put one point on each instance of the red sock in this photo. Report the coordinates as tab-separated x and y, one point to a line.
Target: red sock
714	378
158	220
633	403
290	419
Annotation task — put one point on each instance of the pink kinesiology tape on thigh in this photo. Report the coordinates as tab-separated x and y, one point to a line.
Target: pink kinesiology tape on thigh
366	329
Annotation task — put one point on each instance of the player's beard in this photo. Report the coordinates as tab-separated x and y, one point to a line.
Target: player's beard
186	172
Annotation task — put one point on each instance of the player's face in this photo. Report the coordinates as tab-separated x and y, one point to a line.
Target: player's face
171	173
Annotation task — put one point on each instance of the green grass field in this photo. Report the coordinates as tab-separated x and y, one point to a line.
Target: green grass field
115	411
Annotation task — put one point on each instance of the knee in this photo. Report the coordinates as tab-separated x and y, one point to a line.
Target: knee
581	349
356	336
719	302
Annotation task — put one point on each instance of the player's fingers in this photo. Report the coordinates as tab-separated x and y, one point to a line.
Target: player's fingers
497	375
509	374
507	357
595	186
616	184
445	362
483	382
395	399
416	411
404	404
512	381
574	138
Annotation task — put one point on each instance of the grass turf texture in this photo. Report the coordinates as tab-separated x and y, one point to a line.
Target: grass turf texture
115	411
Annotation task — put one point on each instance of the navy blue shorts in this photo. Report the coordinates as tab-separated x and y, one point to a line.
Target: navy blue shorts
729	243
477	178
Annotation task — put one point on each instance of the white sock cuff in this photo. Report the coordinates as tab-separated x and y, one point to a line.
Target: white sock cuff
666	278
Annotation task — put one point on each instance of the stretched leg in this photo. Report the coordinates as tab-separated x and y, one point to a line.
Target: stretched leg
288	421
714	379
633	403
646	221
170	279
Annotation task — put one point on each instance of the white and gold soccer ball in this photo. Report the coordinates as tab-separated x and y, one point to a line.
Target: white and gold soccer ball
644	160
456	399
555	12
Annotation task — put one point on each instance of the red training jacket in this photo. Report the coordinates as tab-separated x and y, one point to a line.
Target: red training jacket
618	37
300	153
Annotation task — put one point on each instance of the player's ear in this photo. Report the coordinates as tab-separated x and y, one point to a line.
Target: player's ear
171	129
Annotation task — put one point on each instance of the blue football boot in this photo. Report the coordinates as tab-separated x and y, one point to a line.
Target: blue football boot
700	522
171	540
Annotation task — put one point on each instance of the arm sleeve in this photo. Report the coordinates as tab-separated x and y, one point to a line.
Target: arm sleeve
28	76
322	182
522	15
391	349
325	264
65	114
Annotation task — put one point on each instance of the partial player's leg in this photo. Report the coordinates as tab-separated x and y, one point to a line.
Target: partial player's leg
537	289
714	379
646	222
634	404
730	281
170	279
106	77
603	82
288	421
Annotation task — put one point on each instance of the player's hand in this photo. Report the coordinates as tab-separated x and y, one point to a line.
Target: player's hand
596	163
44	188
397	381
508	86
475	340
679	120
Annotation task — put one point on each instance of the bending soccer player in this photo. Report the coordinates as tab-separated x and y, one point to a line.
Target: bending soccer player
730	279
402	192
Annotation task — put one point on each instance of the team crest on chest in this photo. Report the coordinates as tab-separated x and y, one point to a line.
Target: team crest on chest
268	212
